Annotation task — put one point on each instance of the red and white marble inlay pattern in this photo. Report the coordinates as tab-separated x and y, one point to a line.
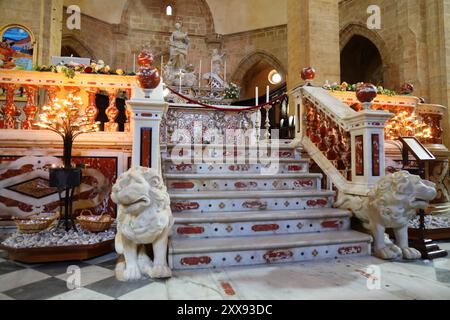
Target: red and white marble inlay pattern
273	256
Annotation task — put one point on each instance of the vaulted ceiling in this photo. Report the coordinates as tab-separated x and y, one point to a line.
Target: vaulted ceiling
230	16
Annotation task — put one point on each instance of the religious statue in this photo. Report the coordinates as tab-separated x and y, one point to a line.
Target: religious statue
179	45
218	63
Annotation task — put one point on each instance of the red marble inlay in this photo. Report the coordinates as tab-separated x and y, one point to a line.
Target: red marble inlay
182	185
183	167
190	230
13	203
12	173
196	261
286	154
227	288
185	206
265	227
243	185
295	168
318	202
255	205
274	255
330	224
303	183
239	168
349	250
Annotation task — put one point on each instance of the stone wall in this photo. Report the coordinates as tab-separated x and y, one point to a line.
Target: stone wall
147	24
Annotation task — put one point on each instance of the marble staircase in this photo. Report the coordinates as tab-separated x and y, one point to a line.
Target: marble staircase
242	212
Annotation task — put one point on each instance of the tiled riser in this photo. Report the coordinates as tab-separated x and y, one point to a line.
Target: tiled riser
260	257
295	167
230	154
243	185
234	205
239	229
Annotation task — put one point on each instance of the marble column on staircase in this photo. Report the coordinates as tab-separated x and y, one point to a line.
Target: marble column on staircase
147	110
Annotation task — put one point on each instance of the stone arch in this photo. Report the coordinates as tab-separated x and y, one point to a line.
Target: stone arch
77	45
357	29
251	59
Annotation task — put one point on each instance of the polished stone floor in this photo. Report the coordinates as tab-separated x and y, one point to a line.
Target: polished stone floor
357	278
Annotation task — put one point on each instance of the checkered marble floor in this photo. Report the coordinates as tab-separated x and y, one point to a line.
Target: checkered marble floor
332	279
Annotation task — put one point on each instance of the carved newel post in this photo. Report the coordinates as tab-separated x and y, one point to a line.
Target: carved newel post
367	138
147	108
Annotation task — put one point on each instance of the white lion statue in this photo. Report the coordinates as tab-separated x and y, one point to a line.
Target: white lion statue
391	204
144	217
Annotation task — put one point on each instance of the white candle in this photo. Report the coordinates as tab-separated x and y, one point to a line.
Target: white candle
162	63
267	94
257	97
200	75
180	80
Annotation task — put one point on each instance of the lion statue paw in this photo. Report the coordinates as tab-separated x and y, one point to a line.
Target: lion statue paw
388	253
144	218
411	254
160	272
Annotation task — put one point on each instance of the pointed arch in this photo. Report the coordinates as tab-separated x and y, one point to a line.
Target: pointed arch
82	49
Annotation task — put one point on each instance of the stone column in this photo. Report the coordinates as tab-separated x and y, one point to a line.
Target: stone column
147	109
50	35
438	46
313	40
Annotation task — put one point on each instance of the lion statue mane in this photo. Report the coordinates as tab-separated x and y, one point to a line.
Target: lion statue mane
392	203
144	217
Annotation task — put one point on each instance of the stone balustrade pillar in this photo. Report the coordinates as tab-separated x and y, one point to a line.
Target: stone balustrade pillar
367	139
147	110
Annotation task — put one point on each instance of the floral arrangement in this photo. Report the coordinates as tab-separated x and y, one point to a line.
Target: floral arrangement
232	91
70	70
344	86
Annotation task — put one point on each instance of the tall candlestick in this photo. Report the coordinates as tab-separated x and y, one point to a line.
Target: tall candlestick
200	75
267	94
211	75
134	62
225	72
257	96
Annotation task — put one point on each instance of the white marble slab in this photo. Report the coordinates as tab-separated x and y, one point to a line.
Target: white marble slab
81	294
153	291
188	285
90	275
20	278
5	297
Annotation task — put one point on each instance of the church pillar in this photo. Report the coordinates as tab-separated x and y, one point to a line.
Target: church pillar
313	40
438	44
50	35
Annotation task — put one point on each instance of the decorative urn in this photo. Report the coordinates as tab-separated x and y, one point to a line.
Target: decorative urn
308	74
365	94
407	88
147	76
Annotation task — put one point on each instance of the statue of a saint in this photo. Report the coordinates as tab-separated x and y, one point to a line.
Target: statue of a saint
179	45
218	63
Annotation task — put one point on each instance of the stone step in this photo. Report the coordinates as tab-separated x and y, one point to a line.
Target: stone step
274	249
242	182
238	224
232	151
236	201
215	166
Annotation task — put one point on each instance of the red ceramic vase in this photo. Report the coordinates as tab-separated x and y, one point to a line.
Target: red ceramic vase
308	74
407	88
145	58
366	93
148	77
